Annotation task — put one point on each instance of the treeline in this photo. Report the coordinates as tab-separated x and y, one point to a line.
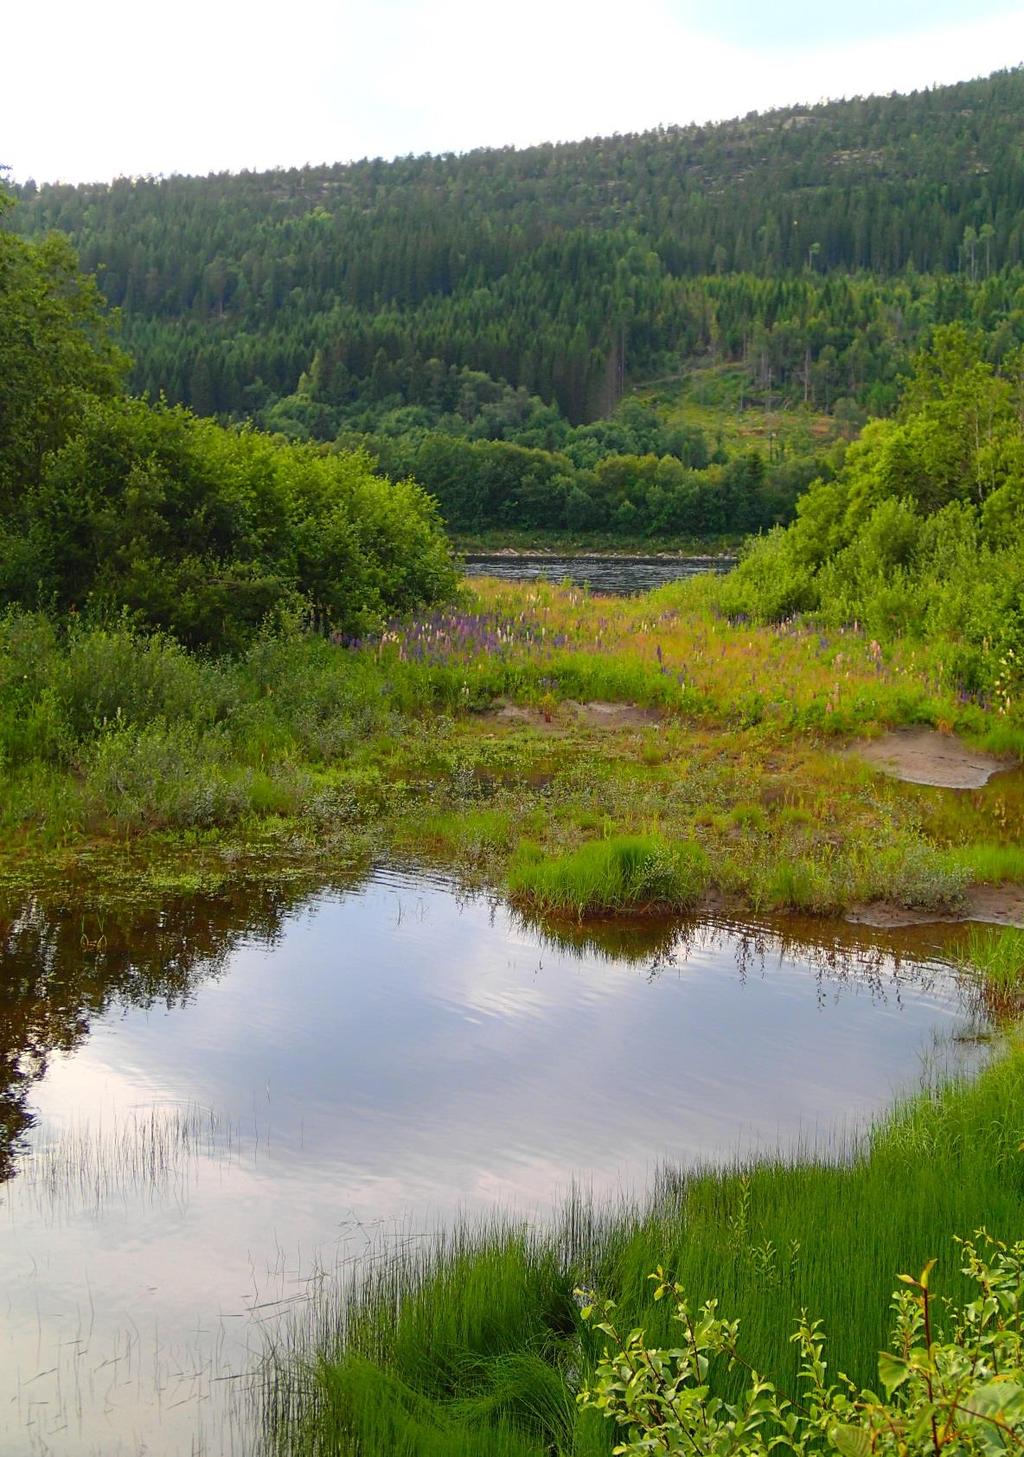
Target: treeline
802	341
567	271
876	183
491	360
485	484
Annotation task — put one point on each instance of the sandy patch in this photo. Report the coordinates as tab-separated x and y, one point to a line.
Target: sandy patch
591	715
997	905
924	756
614	715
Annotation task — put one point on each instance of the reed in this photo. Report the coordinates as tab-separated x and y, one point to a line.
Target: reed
996	955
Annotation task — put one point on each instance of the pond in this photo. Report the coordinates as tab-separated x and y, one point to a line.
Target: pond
207	1110
619	575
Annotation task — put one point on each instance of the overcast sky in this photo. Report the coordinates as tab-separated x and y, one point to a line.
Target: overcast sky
117	88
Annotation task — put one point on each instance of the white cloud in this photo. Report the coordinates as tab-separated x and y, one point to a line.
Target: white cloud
99	92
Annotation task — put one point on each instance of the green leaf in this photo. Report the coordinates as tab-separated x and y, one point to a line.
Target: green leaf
851	1441
892	1371
997	1401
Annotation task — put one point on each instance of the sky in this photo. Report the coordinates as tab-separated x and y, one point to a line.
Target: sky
114	88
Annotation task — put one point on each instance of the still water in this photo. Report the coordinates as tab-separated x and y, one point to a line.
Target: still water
230	1101
621	576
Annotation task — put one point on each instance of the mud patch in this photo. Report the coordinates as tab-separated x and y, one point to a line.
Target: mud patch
996	905
614	715
924	756
592	715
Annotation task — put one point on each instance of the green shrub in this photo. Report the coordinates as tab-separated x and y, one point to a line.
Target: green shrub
206	532
956	1387
162	775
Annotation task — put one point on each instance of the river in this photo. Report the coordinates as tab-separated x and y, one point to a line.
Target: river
618	575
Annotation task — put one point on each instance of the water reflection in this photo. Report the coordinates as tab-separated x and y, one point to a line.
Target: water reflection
231	1091
69	959
67	963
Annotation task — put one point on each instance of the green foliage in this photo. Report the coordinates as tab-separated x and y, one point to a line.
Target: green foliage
206	532
767	1240
478	286
622	872
110	505
920	534
621	475
958	1389
487	348
55	352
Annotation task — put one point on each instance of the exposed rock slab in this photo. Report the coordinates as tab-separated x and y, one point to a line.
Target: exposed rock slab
924	756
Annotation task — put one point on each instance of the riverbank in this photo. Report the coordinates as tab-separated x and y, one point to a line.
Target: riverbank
607	764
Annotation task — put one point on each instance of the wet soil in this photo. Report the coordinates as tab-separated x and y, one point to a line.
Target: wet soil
565	715
924	756
997	905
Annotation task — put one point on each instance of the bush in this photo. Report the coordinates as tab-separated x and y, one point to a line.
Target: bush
920	533
959	1391
206	532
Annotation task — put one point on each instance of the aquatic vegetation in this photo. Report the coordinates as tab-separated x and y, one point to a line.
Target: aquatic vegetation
996	954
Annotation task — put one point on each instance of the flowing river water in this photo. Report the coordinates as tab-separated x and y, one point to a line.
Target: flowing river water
206	1117
623	575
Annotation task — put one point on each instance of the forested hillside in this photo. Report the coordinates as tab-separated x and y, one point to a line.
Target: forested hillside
515	296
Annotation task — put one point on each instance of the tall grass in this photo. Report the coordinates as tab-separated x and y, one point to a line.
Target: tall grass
990	864
474	1344
621	873
996	955
385	744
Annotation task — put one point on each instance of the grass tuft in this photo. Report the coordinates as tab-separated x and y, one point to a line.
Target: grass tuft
473	1343
997	955
621	873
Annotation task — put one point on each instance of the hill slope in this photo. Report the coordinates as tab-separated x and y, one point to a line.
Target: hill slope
564	270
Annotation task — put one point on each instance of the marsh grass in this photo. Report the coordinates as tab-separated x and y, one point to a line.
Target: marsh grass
148	1155
996	955
308	744
473	1342
991	864
620	873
